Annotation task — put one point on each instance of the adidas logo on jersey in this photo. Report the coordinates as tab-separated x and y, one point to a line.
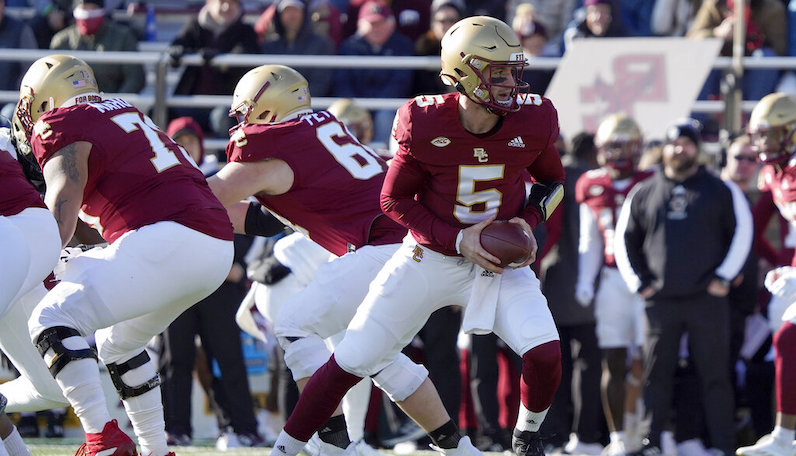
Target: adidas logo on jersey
516	142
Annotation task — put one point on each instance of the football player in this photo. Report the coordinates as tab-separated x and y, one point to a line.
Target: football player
772	128
461	163
600	193
307	168
31	245
170	245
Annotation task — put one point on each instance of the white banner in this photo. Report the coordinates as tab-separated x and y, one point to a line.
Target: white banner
653	80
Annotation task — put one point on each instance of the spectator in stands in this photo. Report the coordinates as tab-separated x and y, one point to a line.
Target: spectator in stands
376	35
672	17
292	33
766	35
14	34
533	38
52	18
576	409
213	320
444	13
93	30
554	15
596	21
412	17
325	18
217	29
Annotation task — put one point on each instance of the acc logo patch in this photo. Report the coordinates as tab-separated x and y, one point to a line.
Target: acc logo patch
42	129
440	141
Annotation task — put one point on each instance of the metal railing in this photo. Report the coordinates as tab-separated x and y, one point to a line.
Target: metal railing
158	100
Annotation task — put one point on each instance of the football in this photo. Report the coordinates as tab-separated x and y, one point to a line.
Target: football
506	241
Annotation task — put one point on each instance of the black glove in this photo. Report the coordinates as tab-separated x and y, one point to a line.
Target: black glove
208	53
175	53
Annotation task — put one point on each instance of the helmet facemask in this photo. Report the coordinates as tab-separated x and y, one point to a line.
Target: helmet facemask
781	136
620	156
484	92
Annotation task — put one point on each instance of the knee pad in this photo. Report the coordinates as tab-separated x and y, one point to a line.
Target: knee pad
52	339
304	355
116	370
400	378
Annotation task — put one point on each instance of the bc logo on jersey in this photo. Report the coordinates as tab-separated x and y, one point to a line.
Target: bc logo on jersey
481	155
417	254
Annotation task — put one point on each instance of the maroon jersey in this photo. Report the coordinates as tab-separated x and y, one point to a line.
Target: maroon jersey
16	193
137	175
444	178
596	189
782	186
334	199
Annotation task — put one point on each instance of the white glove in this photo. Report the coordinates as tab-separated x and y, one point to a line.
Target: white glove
584	293
777	280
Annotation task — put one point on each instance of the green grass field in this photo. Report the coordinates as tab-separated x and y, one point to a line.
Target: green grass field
68	447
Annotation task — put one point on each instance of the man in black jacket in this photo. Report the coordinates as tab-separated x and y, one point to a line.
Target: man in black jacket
681	238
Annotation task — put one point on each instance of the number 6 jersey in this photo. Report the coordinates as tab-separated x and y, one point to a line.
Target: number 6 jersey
336	181
137	175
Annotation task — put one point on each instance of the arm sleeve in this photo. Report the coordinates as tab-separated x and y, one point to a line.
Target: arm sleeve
546	169
628	253
742	235
590	247
762	212
403	180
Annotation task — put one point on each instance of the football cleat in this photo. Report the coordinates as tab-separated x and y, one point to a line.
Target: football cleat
465	448
767	446
527	443
110	442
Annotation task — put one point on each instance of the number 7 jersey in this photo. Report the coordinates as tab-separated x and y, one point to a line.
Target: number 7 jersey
336	181
137	175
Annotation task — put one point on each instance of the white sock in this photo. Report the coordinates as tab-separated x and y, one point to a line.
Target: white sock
14	445
617	436
783	434
146	412
530	421
630	422
355	407
287	445
80	382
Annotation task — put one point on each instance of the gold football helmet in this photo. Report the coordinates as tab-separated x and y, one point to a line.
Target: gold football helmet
51	82
772	127
270	94
619	141
471	49
356	118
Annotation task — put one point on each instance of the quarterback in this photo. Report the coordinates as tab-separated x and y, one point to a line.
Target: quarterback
170	245
309	170
461	163
772	127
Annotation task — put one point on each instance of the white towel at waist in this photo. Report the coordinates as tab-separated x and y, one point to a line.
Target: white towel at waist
479	315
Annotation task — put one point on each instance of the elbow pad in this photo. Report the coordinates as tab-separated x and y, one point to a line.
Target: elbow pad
260	222
546	197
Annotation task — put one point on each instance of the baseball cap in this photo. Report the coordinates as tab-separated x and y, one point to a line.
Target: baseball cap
100	3
285	3
690	128
374	10
533	28
596	2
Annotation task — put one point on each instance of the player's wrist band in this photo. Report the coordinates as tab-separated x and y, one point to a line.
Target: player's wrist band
260	222
459	241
